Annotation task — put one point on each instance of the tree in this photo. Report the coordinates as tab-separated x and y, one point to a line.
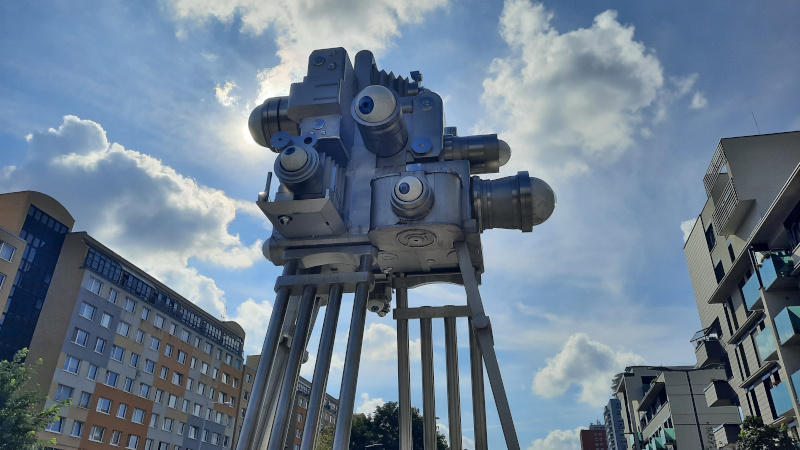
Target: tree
19	401
381	427
757	436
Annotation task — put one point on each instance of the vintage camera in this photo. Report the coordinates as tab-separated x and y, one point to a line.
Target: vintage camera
366	158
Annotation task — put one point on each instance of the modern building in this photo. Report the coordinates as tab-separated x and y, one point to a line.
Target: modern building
145	368
665	407
742	255
614	426
594	438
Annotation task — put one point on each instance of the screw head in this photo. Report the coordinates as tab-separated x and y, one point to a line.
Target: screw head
331	66
284	220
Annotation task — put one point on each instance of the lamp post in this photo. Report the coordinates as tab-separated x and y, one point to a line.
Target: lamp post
205	419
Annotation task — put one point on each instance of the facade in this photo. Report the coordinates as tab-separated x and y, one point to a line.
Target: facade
594	438
614	426
146	369
664	407
742	253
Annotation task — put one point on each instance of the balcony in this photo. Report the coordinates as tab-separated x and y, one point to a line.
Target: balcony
752	293
787	325
796	382
719	393
782	399
708	351
729	210
765	342
727	435
775	269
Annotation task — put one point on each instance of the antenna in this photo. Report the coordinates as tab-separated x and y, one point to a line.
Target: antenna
756	122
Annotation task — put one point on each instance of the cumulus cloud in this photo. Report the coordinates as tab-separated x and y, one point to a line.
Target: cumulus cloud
254	317
586	363
686	227
224	96
136	205
573	98
363	24
699	101
380	344
368	405
559	440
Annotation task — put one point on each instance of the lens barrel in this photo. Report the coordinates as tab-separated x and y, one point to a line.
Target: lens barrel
514	203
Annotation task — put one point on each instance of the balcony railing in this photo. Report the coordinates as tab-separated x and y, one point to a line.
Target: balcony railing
775	269
752	293
796	383
714	168
782	399
709	351
765	342
787	325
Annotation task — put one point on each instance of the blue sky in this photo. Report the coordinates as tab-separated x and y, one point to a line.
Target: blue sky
133	115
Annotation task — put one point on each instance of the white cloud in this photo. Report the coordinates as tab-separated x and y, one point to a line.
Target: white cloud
223	94
586	363
136	205
686	227
368	405
363	24
559	440
380	344
575	98
254	317
699	101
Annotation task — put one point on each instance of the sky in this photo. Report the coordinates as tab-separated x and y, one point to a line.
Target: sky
133	115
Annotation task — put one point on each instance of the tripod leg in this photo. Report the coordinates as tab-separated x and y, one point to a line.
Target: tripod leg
253	428
428	391
347	393
289	385
403	374
478	394
483	334
322	368
453	392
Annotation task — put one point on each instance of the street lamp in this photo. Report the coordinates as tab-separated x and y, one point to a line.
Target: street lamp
205	419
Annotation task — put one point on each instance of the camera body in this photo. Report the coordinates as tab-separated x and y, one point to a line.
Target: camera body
366	158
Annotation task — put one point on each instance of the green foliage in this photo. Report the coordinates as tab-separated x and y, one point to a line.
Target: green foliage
19	418
381	427
757	436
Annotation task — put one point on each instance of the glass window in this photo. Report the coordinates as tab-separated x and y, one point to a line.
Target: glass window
145	313
56	426
235	382
207	348
7	251
159	396
226	377
180	428
80	337
164	372
117	353
87	311
103	405
185	336
133	442
196	342
193	364
122	410
172	401
185	406
167	424
189	382
159	321
144	390
139	336
228	359
134	359
204	369
63	393
149	366
100	345
198	410
97	433
168	350
215	373
112	296
154	420
192	432
111	378
77	429
177	379
86	397
128	385
173	328
105	321
92	373
94	285
155	343
129	305
218	354
138	416
116	436
123	329
181	357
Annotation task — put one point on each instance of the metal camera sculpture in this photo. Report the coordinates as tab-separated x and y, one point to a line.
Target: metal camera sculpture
376	194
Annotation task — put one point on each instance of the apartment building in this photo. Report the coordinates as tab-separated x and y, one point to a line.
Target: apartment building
614	426
594	438
664	407
145	368
742	255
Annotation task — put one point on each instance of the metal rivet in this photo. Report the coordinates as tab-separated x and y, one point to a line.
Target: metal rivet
319	123
331	66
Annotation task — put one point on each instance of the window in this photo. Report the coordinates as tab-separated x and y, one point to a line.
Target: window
181	357
71	364
138	416
215	373
86	398
63	393
172	401
180	428
177	378
56	426
300	417
97	433
122	410
133	442
158	322
117	353
134	359
201	388
87	311
2	278
185	406
168	349
112	296
196	342
6	251
148	444
77	429
164	372
123	329
167	424
192	432
235	382
129	305
103	405
214	438
246	395
128	385
154	420
149	366
144	390
80	337
226	377
185	336
94	285
145	313
207	348
711	240
193	364
155	343
116	436
198	409
111	378
92	372
189	382
719	271
205	435
204	369
228	359
173	328
100	345
105	321
219	354
139	336
247	378
159	396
